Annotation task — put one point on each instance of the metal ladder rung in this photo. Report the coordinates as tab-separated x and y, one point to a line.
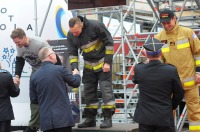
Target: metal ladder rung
181	120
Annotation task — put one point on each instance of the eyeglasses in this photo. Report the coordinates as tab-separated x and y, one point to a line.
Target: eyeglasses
51	54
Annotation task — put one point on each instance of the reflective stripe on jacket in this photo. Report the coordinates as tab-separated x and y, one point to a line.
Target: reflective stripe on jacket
95	42
181	49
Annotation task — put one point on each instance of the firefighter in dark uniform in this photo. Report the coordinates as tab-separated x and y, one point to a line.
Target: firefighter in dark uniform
8	88
96	45
160	91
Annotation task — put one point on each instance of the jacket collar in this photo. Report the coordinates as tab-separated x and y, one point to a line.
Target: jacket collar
155	61
46	62
85	22
174	30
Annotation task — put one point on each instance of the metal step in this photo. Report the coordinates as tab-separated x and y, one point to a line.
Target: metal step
194	27
137	40
116	127
122	100
121	73
122	82
136	47
117	120
127	64
131	57
122	111
188	8
119	101
128	91
189	18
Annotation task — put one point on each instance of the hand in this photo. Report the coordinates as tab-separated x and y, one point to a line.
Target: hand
75	71
147	61
106	67
16	80
197	78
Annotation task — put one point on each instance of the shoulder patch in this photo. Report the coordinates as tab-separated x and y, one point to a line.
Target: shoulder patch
2	70
194	36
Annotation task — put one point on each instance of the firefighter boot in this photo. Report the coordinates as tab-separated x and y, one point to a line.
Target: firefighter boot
90	120
107	113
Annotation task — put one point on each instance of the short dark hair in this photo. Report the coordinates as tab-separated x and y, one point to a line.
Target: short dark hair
73	21
18	33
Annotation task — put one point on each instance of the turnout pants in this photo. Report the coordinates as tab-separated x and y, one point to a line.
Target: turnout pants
193	108
91	80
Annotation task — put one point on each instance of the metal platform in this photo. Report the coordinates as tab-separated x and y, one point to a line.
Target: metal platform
117	127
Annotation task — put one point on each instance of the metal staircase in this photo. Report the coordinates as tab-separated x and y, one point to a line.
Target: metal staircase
128	51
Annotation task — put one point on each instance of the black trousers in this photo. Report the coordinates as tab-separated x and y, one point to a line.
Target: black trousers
5	126
63	129
154	128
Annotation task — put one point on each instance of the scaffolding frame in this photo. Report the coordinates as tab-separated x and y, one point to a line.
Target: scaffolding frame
126	38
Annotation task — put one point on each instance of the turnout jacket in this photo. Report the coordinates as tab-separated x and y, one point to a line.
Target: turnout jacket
160	92
7	89
182	49
95	43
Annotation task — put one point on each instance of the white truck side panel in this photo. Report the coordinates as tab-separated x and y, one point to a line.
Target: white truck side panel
21	13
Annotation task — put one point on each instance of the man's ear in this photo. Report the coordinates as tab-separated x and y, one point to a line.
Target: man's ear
81	24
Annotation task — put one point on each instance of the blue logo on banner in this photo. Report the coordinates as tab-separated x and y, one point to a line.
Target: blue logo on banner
59	14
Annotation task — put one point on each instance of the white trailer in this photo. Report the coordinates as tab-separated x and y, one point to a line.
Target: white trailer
45	18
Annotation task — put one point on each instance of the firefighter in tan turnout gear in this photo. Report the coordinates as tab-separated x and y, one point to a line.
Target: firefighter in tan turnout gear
96	45
182	49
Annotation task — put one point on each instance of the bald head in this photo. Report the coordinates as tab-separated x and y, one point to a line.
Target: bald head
44	53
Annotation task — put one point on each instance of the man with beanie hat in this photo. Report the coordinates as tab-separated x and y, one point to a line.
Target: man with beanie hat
182	49
160	91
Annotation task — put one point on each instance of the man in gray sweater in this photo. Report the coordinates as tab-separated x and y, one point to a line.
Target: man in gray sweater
27	50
